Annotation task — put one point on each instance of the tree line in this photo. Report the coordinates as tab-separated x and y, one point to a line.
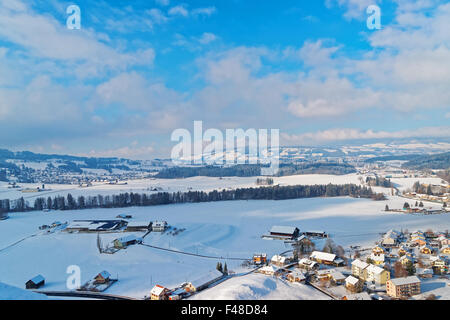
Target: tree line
142	199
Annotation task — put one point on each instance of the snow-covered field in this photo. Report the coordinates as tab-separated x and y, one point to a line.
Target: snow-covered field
170	185
194	183
227	229
222	229
260	287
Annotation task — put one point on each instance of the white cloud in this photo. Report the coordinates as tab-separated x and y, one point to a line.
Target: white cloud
179	10
204	11
355	9
336	135
45	37
207	37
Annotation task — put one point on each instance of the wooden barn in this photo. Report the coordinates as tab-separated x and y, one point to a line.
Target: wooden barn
35	283
284	232
124	242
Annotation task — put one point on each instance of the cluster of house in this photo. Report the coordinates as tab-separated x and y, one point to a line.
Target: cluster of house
443	198
282	266
186	289
421	253
425	250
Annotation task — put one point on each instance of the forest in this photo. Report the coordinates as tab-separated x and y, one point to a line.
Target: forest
137	199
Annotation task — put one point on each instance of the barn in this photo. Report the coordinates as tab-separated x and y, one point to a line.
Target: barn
124	242
138	226
284	232
35	283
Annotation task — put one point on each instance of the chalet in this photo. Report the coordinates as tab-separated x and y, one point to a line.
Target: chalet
445	249
138	226
102	277
259	258
279	260
426	250
326	258
402	251
159	226
377	250
204	281
419	242
359	269
296	276
353	284
443	240
403	287
124	242
35	283
390	239
438	264
377	258
159	293
268	270
284	232
330	274
405	260
307	264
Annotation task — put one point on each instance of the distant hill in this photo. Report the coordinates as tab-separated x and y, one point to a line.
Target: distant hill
435	161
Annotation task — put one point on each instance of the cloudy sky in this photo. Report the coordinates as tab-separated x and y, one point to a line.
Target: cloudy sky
139	69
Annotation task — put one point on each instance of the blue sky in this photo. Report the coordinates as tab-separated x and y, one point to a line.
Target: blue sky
137	70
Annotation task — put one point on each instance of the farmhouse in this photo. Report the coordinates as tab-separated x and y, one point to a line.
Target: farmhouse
279	260
204	281
124	242
326	258
138	226
35	283
268	270
284	232
353	284
377	258
445	249
296	276
403	287
426	250
259	258
307	264
377	250
102	277
330	274
159	293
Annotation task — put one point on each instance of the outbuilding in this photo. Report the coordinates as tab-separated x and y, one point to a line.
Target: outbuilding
35	283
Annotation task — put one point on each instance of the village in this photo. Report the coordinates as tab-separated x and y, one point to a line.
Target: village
394	268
